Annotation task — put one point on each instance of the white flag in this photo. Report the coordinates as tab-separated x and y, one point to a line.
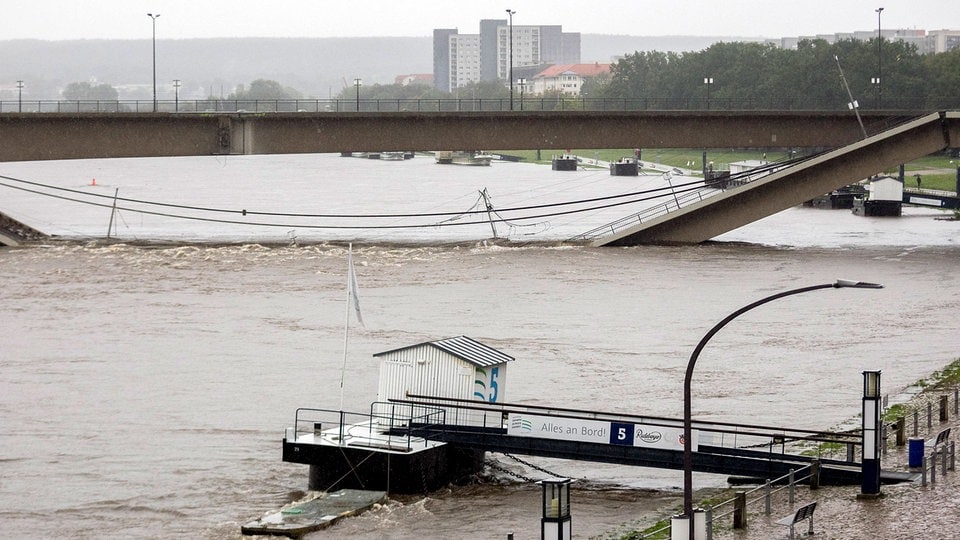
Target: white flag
352	284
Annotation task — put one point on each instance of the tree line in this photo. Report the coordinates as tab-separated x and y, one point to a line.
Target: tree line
735	75
755	75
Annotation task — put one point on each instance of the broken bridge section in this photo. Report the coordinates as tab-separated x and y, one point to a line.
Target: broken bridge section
732	208
14	233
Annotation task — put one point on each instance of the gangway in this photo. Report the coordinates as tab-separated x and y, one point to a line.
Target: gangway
644	441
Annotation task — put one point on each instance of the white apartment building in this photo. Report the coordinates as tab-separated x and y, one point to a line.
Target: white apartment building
465	59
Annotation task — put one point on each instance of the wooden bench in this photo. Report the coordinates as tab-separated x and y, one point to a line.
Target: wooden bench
802	513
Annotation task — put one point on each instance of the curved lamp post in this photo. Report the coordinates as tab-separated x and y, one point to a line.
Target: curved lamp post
687	427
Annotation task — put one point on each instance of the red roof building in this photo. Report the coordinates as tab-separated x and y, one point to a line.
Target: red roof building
567	78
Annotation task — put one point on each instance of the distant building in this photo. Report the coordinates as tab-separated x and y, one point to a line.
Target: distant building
566	78
935	41
461	59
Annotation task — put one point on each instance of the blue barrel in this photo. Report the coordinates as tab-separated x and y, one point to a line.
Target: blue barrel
915	449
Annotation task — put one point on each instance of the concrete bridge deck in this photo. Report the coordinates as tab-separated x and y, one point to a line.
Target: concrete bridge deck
36	136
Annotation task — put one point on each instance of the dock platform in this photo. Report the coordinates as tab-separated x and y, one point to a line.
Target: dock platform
316	511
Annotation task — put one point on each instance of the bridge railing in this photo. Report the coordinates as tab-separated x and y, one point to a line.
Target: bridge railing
677	200
684	196
453	104
379	424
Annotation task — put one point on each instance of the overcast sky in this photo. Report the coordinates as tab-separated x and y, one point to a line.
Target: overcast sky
127	19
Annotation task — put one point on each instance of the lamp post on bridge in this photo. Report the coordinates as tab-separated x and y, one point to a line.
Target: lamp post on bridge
522	82
153	18
879	60
357	82
708	81
176	95
510	13
688	512
19	96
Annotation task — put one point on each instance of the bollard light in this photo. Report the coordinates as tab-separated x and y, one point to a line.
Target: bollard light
555	515
870	462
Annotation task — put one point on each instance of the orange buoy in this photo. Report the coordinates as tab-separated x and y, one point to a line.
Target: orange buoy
93	182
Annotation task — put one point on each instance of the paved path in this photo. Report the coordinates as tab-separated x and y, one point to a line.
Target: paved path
905	511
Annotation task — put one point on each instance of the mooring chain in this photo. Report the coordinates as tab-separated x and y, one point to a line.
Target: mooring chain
532	466
493	465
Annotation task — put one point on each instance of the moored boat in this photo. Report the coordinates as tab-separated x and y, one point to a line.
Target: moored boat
447	157
625	166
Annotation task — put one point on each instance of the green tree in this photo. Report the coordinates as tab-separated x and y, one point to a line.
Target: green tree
265	89
76	91
762	76
943	79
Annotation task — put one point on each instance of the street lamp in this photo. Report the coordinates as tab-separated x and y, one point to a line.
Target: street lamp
708	81
154	19
357	81
522	82
875	81
687	424
879	61
510	13
176	95
19	96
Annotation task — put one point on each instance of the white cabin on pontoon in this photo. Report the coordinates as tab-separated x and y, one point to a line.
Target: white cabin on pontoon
457	367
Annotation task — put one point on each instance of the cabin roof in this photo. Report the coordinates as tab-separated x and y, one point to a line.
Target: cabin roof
463	348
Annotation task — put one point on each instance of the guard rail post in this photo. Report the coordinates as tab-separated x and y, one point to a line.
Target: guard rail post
923	471
901	431
883	438
933	467
929	416
768	492
815	474
740	510
944	416
916	422
791	484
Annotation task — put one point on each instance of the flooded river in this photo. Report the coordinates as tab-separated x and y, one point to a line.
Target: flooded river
144	390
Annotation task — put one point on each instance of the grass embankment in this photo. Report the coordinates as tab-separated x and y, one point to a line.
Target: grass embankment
938	381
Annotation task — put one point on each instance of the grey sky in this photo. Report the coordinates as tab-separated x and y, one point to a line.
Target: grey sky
179	19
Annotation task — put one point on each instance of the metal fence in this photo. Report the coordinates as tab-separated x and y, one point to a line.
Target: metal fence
526	104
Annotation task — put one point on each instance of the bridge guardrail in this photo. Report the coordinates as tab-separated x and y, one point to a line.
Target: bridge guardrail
530	104
684	197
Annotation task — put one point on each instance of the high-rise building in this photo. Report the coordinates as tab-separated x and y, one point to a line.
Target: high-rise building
461	59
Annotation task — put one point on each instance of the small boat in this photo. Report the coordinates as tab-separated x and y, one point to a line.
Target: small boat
565	162
318	510
625	166
392	156
447	157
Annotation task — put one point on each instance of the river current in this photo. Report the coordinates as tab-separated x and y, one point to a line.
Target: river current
144	389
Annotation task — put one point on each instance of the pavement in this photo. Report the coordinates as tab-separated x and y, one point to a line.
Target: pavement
903	511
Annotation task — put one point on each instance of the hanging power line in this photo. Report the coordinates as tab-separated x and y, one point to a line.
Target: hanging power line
476	212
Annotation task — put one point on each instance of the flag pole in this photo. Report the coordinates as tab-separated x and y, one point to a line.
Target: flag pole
346	318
